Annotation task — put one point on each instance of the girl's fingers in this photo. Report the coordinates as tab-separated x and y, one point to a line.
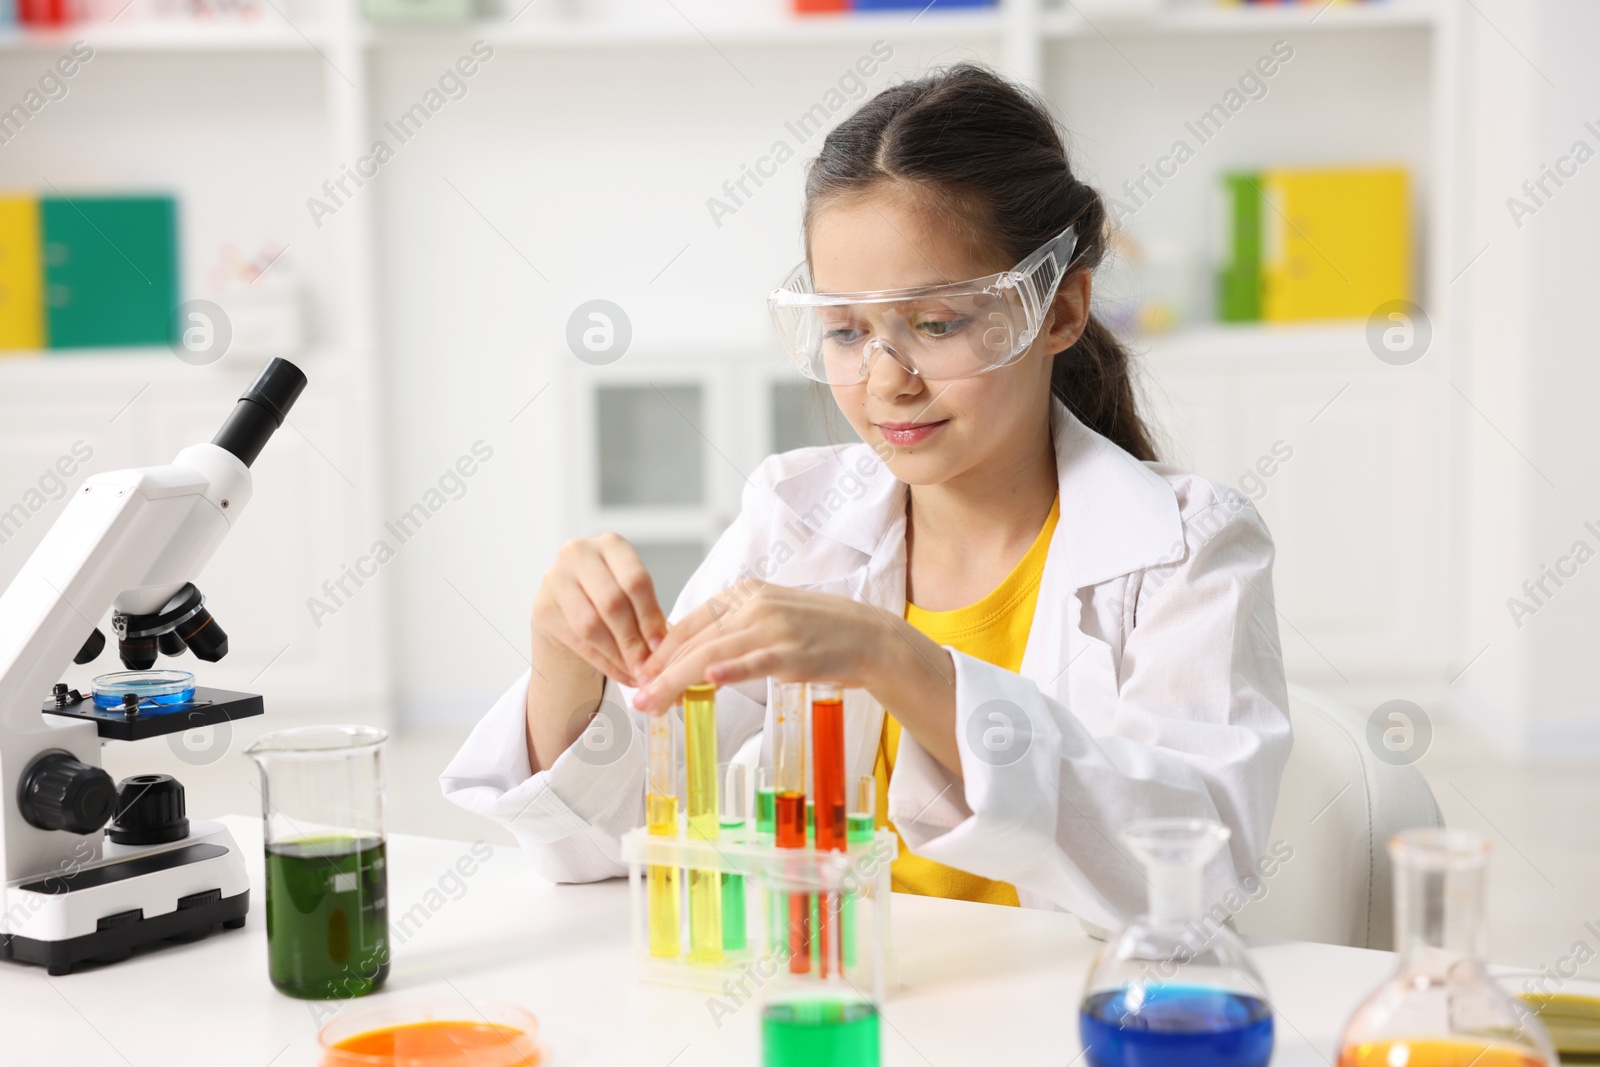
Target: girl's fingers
588	634
708	616
600	586
743	668
635	581
690	668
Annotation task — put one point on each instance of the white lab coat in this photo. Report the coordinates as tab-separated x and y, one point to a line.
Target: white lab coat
1152	684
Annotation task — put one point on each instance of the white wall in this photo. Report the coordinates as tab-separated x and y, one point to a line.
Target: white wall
595	164
1528	476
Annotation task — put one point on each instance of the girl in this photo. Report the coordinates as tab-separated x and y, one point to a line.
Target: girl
1047	633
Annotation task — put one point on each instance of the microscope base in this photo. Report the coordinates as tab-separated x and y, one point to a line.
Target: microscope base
116	941
131	897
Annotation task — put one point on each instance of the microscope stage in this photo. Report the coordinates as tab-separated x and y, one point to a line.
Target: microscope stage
209	707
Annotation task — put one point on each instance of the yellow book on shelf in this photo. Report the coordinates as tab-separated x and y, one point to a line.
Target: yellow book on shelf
21	300
1336	242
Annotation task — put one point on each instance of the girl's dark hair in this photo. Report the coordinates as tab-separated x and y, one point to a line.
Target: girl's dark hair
992	153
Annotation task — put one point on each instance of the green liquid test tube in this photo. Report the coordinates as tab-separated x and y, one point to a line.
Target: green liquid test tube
734	824
766	833
705	886
859	828
766	807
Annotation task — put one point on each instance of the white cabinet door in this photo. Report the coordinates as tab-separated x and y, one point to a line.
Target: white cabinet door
1345	458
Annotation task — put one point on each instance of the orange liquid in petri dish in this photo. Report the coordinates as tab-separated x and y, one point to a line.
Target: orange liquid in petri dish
1437	1053
460	1044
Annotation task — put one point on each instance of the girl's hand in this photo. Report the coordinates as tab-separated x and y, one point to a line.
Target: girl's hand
757	630
597	602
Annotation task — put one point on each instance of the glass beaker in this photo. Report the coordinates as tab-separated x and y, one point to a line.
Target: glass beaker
327	880
1175	985
811	1015
1441	1008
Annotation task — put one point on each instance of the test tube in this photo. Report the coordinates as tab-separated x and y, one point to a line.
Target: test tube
705	886
789	803
860	825
734	823
661	820
828	799
767	833
766	804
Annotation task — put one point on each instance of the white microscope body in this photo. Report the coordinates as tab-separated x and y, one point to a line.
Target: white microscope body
131	541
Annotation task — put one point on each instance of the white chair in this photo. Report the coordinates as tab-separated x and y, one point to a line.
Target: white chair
1337	808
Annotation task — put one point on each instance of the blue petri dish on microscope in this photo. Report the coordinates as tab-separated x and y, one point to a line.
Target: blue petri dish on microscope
155	689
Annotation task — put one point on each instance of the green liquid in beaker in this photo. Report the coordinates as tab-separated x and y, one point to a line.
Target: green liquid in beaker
327	916
804	1033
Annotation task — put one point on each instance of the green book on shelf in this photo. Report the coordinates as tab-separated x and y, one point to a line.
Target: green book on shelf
110	269
1239	283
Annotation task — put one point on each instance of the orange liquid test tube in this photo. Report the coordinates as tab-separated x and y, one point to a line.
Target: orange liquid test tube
789	783
827	796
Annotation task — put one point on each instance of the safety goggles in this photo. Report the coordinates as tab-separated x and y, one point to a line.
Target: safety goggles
937	332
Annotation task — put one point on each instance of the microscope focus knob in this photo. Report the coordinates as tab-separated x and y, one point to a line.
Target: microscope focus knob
63	793
150	811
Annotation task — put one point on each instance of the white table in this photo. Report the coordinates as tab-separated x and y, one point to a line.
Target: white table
980	984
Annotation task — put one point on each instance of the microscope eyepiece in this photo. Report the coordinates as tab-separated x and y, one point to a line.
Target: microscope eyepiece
261	410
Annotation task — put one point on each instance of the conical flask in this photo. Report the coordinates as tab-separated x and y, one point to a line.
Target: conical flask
1441	1009
1175	985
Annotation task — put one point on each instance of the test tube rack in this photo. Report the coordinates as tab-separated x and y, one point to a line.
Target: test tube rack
857	877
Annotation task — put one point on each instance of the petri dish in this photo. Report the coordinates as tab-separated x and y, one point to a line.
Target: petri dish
445	1032
158	688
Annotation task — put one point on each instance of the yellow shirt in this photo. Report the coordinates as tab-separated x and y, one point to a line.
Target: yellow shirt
995	630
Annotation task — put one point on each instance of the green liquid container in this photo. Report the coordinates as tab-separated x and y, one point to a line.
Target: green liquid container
327	872
809	1033
766	830
733	899
858	831
766	811
327	917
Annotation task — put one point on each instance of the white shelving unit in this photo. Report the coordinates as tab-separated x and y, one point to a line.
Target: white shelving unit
1224	391
234	121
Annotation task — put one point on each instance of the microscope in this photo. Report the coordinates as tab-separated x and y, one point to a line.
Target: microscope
131	541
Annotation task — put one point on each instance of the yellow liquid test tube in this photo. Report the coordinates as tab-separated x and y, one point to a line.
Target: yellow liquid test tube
661	820
705	887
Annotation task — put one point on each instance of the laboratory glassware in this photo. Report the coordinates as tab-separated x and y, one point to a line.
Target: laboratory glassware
151	689
734	826
1441	1008
1175	984
327	879
828	805
829	1014
661	820
789	785
705	887
432	1032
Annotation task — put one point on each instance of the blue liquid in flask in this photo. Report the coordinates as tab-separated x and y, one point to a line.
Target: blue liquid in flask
1175	1026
